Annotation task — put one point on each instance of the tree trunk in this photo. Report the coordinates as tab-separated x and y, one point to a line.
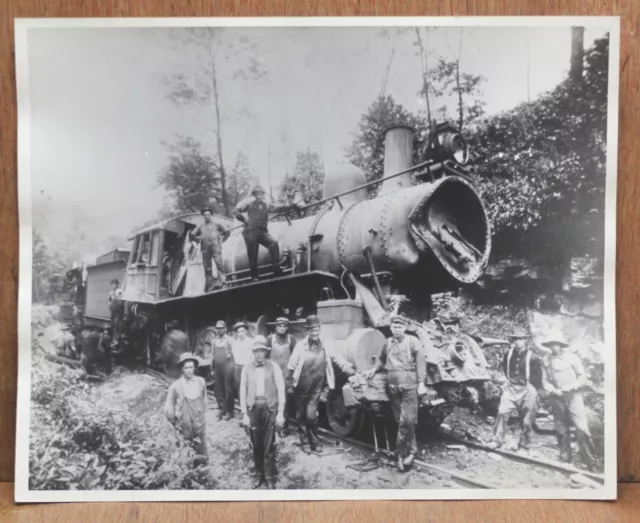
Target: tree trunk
577	55
216	99
425	77
458	86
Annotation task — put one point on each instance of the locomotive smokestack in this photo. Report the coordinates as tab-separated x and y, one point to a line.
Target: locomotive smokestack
398	156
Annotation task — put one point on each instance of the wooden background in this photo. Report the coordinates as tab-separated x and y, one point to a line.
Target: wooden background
628	262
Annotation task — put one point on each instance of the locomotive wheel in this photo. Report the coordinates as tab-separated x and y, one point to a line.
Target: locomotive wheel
344	421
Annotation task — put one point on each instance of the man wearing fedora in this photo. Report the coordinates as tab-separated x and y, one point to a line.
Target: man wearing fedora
310	368
186	406
564	377
523	371
224	371
281	345
256	232
262	393
211	235
404	359
242	352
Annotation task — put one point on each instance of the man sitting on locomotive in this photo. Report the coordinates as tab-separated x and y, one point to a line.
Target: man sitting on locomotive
255	228
211	235
310	368
523	370
404	359
186	407
281	345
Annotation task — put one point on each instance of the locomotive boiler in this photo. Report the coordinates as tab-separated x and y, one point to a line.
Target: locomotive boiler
355	261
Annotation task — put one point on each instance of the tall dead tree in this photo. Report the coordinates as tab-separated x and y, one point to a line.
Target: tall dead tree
577	55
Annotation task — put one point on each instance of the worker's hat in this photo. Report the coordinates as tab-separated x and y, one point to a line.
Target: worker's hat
312	321
207	208
187	356
282	321
519	333
555	339
397	318
260	343
240	324
220	324
257	189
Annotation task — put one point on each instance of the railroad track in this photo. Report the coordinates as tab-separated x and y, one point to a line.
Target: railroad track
459	477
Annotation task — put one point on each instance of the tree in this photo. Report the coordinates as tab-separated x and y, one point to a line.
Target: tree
367	148
307	178
192	177
447	79
424	63
241	181
541	167
221	60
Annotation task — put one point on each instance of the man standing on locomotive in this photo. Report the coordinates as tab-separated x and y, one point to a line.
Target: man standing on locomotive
262	394
310	368
186	406
404	359
116	308
255	231
242	352
563	378
211	235
523	370
224	371
281	345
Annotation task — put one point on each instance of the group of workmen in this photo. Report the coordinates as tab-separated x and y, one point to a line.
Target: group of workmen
210	235
276	378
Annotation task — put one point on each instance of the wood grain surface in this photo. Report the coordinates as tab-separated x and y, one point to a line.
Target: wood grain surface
628	220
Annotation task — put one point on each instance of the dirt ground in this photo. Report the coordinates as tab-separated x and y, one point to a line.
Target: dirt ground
338	467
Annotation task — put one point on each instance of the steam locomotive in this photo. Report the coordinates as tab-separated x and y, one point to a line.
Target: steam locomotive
354	262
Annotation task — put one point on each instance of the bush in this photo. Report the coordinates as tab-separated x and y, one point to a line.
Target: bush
78	444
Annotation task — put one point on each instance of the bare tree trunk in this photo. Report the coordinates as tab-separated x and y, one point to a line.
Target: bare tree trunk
425	76
577	55
216	99
458	87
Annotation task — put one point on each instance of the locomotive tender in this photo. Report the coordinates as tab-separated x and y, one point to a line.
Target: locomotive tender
354	262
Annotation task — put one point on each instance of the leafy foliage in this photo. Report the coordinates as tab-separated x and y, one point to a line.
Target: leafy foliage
542	165
78	444
367	148
307	178
191	177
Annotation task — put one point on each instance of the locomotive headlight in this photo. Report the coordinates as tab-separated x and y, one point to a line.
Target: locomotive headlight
446	143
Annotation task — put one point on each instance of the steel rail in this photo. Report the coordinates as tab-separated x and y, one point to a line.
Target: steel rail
543	463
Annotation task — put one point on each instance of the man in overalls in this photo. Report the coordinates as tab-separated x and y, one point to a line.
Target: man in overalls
523	370
310	368
211	235
256	232
116	308
405	361
242	351
186	407
564	377
281	345
224	371
262	393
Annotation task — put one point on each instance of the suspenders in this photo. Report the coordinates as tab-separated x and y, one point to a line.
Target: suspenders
527	364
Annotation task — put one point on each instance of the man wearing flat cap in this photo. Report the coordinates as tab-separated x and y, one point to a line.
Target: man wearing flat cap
404	359
224	371
211	235
262	393
281	345
523	371
186	406
256	232
310	368
563	379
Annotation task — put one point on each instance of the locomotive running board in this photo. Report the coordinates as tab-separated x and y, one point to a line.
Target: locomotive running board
317	276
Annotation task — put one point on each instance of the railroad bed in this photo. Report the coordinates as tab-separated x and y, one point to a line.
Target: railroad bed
465	463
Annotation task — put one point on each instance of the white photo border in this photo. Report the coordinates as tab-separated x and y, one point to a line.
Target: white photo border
22	492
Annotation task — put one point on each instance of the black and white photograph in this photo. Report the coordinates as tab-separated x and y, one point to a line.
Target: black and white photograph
317	258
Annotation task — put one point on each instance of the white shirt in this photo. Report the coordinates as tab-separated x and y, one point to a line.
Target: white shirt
242	351
259	381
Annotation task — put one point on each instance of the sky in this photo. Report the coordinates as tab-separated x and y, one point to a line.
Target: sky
100	110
